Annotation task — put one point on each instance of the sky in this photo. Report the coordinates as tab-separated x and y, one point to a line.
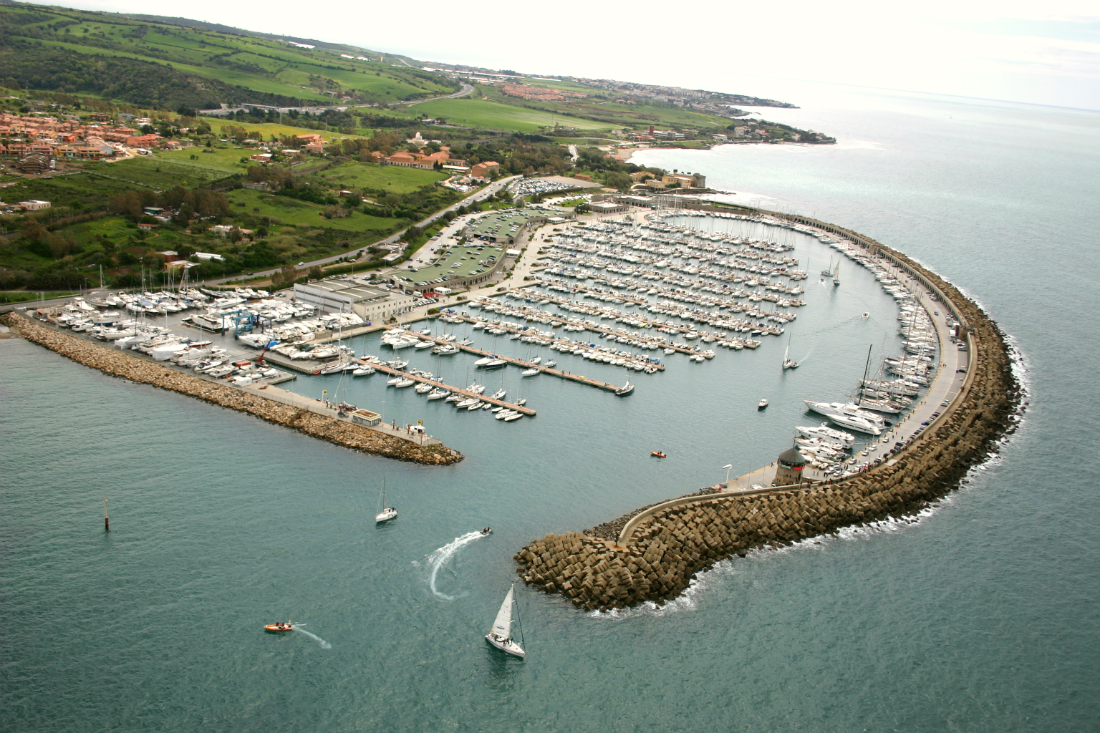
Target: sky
1033	52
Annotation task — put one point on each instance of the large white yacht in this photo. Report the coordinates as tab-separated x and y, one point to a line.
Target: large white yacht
848	415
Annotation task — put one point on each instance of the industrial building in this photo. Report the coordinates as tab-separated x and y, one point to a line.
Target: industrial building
354	296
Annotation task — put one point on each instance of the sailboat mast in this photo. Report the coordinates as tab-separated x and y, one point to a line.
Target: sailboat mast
519	621
859	400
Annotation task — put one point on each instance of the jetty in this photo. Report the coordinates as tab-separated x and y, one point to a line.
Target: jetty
270	404
568	376
651	554
527	411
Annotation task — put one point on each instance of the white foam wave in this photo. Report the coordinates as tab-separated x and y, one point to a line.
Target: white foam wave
441	557
324	644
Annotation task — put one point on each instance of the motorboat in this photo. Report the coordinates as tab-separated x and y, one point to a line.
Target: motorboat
532	372
848	416
363	371
279	627
657	454
763	403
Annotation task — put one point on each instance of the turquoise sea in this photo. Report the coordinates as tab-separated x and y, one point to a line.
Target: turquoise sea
982	614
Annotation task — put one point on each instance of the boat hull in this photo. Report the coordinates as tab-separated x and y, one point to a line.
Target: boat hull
507	646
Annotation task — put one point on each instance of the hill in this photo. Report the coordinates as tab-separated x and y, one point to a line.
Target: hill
172	62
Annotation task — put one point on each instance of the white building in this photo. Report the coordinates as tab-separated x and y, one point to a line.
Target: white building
353	296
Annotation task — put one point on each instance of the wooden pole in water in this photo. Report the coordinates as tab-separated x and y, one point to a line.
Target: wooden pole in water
106	519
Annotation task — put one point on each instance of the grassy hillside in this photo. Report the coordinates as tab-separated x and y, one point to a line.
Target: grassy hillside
170	62
499	115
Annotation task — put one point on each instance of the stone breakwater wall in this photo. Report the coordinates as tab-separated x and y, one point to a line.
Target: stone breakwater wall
664	554
121	364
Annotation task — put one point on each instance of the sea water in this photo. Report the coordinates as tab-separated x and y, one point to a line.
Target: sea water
979	614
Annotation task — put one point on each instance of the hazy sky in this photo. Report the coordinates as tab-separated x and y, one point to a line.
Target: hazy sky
1038	52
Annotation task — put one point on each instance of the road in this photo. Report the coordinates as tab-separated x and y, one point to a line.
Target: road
466	91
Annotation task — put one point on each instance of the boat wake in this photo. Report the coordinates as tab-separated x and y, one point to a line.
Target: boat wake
441	557
324	644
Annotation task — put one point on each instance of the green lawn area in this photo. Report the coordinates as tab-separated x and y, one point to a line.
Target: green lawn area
388	178
292	212
217	124
168	169
78	188
26	297
499	116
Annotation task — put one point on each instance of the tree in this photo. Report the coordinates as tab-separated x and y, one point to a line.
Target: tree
315	273
620	181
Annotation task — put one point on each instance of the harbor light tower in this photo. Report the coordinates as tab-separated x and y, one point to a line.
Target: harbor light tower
788	469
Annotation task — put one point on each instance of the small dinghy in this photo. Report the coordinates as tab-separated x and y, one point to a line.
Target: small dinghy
279	627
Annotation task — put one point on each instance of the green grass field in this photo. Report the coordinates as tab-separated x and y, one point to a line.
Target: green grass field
254	63
161	171
499	116
388	178
292	212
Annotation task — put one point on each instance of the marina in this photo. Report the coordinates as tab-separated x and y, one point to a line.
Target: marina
278	525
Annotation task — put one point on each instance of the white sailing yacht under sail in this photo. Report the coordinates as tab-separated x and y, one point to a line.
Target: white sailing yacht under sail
788	362
500	635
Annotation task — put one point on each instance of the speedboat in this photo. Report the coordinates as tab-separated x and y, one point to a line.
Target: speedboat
656	454
762	404
279	627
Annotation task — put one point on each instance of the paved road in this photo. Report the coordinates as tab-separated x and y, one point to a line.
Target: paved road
466	91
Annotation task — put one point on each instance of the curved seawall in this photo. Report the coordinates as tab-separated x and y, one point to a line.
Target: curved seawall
652	554
121	364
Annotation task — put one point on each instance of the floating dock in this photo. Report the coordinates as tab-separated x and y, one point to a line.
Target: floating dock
528	365
527	411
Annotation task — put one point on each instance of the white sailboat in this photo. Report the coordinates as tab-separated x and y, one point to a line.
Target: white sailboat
788	362
500	635
836	275
388	512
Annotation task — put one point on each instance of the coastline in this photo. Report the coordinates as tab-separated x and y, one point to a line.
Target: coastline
332	430
625	154
611	566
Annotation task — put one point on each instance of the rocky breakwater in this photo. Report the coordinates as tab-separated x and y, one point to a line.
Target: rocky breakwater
121	364
661	556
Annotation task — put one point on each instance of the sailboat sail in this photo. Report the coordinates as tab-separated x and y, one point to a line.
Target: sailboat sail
502	626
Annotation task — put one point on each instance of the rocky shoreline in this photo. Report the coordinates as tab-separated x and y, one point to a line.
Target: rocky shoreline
664	554
121	364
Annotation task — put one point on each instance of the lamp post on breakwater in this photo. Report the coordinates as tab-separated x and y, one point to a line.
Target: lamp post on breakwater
728	467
